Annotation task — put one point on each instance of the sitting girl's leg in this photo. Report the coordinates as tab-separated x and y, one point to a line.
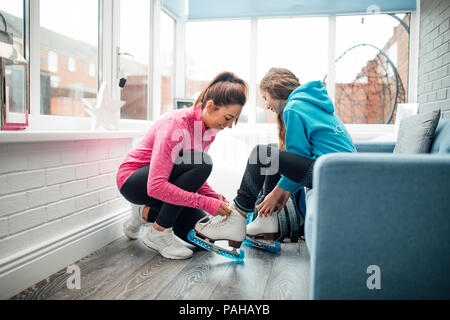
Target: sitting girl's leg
253	180
264	167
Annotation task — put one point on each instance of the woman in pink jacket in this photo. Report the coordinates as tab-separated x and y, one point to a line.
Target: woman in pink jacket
165	174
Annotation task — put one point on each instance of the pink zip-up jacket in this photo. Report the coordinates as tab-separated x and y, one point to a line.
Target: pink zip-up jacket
175	131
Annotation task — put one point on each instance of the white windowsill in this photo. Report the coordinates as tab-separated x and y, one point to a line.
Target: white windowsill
70	128
42	136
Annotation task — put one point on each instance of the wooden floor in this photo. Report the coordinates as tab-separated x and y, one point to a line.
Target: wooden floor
127	269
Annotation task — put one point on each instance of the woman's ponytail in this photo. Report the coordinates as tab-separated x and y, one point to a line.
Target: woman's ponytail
225	89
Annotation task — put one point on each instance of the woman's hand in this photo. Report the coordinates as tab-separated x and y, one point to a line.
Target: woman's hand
224	210
276	198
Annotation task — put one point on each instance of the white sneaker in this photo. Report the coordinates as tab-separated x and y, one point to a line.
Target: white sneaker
263	226
166	243
132	227
231	228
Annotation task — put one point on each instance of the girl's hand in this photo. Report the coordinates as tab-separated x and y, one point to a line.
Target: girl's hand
276	198
221	197
224	210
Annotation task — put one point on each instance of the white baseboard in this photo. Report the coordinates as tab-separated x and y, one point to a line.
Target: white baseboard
22	271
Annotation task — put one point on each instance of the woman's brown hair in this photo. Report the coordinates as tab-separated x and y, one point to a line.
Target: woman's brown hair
225	89
279	84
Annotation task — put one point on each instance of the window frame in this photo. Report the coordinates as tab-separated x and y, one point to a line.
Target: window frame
174	60
108	41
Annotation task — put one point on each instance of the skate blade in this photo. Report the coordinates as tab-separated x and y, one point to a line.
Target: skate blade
205	244
274	247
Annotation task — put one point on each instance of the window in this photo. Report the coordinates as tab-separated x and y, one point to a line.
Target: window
52	61
69	30
297	44
213	47
73	65
167	38
92	69
134	57
372	53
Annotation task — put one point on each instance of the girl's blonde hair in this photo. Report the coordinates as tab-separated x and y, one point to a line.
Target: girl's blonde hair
279	84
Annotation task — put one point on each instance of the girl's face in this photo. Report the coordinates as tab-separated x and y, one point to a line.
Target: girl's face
270	103
218	118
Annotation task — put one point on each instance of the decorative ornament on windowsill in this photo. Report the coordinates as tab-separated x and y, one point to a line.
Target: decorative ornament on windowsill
104	109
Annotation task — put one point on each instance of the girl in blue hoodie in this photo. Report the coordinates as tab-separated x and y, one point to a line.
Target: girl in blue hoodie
307	129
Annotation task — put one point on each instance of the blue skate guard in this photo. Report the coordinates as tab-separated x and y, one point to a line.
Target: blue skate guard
276	248
207	245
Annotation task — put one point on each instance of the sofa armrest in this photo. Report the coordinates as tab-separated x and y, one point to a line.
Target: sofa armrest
392	211
375	146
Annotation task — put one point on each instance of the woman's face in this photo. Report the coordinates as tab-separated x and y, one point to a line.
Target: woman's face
218	118
270	103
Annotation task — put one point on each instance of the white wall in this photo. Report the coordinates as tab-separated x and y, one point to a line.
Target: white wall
54	197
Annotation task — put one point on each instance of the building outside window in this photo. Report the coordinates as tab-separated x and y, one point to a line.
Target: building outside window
372	53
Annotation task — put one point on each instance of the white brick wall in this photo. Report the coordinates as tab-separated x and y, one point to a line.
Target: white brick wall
434	56
54	188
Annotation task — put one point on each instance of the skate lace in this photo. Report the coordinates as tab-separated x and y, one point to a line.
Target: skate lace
219	221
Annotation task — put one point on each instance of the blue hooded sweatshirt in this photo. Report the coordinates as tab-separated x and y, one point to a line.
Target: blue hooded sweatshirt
312	127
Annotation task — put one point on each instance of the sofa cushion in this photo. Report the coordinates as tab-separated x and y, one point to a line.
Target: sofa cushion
441	139
416	132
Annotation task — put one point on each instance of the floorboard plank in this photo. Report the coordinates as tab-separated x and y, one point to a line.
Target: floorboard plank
248	280
108	271
198	279
289	279
57	283
127	269
147	281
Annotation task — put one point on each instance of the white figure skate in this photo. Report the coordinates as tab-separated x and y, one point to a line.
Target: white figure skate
230	228
262	232
132	227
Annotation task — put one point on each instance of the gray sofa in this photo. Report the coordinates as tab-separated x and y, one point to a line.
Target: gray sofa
391	211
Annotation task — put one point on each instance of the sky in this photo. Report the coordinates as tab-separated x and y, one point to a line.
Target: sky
80	24
299	44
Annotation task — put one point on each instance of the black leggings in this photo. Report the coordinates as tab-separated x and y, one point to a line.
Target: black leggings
264	168
187	175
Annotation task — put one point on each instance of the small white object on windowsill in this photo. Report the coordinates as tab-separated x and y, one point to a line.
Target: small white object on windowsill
105	110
